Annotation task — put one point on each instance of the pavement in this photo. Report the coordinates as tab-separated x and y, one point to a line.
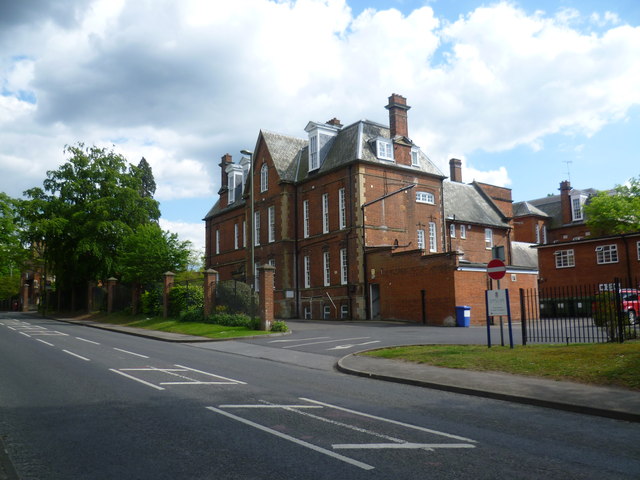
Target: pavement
617	403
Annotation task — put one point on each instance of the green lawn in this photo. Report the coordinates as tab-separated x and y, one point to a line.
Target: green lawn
611	364
208	330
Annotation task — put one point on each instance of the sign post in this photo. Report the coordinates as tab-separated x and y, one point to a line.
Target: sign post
497	301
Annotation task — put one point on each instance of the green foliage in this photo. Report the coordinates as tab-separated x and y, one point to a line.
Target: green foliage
182	297
9	286
83	213
279	326
193	313
12	253
237	296
617	212
149	252
605	313
151	301
234	320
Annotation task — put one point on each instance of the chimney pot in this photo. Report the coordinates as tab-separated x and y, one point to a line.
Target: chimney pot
334	121
455	169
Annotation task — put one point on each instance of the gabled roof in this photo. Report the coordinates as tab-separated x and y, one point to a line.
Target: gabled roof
284	150
552	207
523	255
523	209
466	203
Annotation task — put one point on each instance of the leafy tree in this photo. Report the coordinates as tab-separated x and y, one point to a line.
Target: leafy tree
148	183
83	213
149	252
12	253
617	212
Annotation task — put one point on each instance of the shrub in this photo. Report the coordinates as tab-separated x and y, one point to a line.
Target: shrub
279	326
182	297
192	314
236	296
151	301
234	320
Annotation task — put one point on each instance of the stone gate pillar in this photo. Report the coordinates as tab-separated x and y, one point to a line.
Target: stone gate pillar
168	285
210	283
266	275
111	290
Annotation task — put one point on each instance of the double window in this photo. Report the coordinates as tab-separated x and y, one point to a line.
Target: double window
565	258
607	254
385	149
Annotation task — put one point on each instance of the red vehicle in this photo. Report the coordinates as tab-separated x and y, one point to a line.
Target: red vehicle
630	303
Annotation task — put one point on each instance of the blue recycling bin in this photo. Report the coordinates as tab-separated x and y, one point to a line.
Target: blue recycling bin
463	316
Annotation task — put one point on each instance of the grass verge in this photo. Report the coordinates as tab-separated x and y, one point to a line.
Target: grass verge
161	324
611	364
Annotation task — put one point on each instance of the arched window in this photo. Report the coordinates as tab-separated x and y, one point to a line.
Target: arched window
264	178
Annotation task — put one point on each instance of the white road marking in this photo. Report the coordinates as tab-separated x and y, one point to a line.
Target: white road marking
88	341
130	353
326	341
298	340
284	436
410	446
76	355
269	406
395	422
136	379
53	333
46	343
343	347
212	375
25	334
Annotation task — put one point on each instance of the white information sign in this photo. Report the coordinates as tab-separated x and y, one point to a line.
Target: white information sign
497	303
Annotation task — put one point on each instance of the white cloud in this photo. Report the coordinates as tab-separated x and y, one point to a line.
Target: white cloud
182	83
192	232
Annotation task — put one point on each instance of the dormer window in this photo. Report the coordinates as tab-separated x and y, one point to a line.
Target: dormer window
384	148
415	160
235	181
321	136
577	203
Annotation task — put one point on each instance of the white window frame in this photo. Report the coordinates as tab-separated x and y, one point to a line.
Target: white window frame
325	213
415	158
463	231
433	240
576	208
537	232
342	208
314	154
305	218
272	223
544	234
607	254
565	258
236	236
344	311
488	238
307	272
344	267
421	239
452	230
256	228
326	265
384	149
217	241
425	197
264	178
231	185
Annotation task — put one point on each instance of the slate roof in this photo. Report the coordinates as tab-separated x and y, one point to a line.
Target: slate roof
551	205
284	151
522	209
523	255
467	203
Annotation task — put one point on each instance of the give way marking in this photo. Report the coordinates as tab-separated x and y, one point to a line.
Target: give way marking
391	443
178	376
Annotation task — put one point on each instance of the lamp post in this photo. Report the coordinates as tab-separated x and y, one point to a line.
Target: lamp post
364	244
252	220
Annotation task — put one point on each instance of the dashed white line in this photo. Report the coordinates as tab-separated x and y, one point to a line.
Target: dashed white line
46	343
136	379
302	443
88	341
130	353
76	355
410	446
25	334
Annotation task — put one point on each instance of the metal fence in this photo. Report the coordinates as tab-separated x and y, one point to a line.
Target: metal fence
237	297
605	312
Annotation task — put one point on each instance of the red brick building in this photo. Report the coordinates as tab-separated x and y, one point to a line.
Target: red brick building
347	206
569	255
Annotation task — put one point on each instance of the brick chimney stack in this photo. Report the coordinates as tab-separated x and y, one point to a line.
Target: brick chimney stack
398	115
455	169
224	163
565	201
335	122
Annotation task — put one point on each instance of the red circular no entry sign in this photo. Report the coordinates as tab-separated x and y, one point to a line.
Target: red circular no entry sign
496	269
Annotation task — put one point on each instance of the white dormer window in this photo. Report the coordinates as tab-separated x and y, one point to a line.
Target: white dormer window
314	159
384	149
235	182
415	160
577	202
425	197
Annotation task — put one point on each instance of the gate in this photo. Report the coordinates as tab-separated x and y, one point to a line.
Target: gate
237	297
605	312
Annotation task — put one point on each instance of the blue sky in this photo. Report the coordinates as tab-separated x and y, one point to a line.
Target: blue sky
526	93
